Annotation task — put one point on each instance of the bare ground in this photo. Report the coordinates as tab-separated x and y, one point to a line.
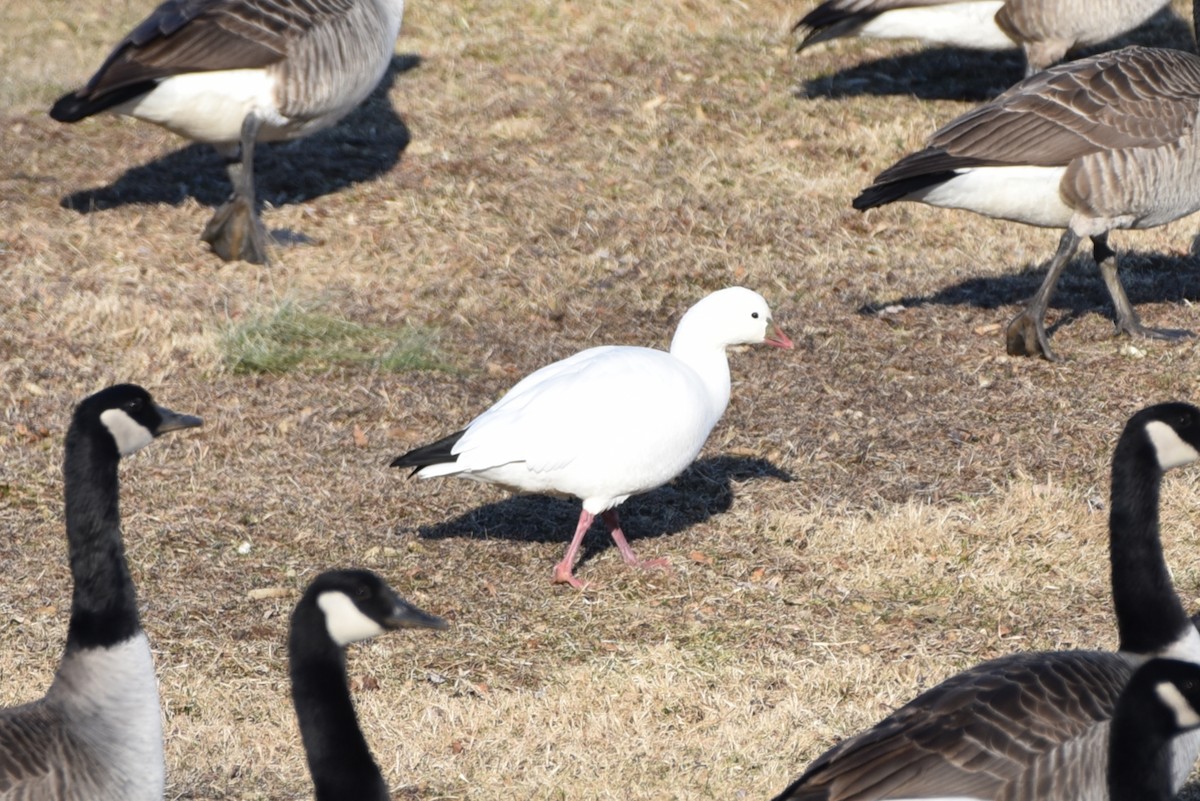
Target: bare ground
890	503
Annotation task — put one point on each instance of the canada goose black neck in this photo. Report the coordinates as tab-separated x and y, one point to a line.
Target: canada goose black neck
1149	614
338	608
338	756
104	603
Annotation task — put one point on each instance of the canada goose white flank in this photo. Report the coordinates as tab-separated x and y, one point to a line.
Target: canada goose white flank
608	422
1045	30
1098	144
341	607
1035	726
1161	702
96	735
235	72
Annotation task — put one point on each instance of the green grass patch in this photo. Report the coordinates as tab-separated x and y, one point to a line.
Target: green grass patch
292	337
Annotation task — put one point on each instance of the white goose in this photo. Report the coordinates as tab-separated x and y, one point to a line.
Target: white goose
235	72
608	422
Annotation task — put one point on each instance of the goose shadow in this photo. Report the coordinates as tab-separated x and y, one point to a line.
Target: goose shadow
954	73
702	491
362	146
1148	277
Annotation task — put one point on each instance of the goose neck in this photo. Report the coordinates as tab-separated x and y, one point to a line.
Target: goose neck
104	602
1150	616
1139	760
338	756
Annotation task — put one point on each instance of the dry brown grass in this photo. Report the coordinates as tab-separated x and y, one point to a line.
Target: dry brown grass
577	173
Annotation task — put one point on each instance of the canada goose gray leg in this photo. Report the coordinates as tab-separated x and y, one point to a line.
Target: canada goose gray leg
1027	331
235	231
1127	317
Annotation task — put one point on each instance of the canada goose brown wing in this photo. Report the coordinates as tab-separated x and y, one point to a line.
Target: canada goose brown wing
32	747
1135	97
182	36
1015	727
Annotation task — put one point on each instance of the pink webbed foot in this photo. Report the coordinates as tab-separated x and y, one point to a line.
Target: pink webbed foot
563	575
627	554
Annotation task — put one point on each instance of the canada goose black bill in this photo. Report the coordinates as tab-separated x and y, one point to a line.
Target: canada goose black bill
1035	726
1098	144
96	735
1161	702
1045	30
341	607
236	72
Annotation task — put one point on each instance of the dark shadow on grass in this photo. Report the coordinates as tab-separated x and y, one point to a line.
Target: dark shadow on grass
951	73
364	145
705	489
936	73
1148	277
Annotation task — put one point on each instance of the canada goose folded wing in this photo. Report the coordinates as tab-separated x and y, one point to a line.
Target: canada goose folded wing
1135	97
183	36
25	760
1011	721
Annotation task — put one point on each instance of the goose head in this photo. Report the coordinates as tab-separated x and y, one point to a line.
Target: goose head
731	316
130	416
358	605
1171	430
1177	688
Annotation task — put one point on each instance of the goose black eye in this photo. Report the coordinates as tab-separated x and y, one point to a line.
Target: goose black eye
362	593
133	405
754	315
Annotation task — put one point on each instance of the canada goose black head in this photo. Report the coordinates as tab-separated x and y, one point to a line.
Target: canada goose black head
358	605
1170	430
130	416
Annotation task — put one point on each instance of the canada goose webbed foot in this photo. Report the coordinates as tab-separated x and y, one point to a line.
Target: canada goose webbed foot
1027	337
1135	329
236	233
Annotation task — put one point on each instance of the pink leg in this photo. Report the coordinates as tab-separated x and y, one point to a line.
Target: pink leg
562	570
614	528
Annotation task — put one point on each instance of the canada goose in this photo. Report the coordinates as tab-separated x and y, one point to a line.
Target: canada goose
233	72
1045	30
608	422
341	607
1034	726
1160	702
1101	143
96	734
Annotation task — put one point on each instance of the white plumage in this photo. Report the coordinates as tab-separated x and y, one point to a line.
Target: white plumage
608	422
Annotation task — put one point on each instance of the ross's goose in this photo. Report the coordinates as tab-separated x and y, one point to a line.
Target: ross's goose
608	422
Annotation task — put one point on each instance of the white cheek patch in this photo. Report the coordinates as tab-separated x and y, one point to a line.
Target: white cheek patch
1172	451
1185	713
345	621
130	435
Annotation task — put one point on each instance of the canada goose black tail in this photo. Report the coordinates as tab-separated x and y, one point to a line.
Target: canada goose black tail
75	106
914	172
830	20
435	453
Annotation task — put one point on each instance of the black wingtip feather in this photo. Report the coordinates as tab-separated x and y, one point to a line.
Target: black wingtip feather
75	106
435	453
880	194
